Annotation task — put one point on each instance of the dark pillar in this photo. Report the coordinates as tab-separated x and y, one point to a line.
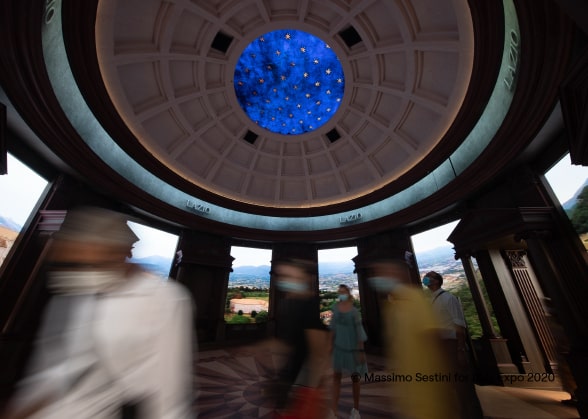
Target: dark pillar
524	278
565	279
491	352
523	215
508	347
204	269
481	308
561	260
394	244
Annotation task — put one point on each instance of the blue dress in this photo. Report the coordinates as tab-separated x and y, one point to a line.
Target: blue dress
348	331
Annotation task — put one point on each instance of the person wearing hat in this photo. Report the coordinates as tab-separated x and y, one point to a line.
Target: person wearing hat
115	339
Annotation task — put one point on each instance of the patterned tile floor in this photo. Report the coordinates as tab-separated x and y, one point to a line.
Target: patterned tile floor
233	382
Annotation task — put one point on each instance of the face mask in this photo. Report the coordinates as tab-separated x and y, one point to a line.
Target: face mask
426	281
383	284
292	286
84	282
343	297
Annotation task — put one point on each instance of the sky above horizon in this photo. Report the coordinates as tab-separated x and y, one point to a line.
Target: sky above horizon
22	188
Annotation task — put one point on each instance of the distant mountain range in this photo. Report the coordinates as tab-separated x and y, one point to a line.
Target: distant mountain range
263	270
441	259
435	256
569	204
159	265
259	275
9	224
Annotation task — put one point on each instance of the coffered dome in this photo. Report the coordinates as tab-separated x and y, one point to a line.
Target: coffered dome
168	68
162	105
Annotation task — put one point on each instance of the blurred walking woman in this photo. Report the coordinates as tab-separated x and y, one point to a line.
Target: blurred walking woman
348	348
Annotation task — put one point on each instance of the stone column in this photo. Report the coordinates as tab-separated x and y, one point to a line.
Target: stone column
393	244
481	308
508	347
564	278
491	353
531	295
204	269
534	361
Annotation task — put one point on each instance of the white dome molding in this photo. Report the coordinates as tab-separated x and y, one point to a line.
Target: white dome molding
405	82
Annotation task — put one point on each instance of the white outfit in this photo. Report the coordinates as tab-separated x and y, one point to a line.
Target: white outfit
129	343
448	312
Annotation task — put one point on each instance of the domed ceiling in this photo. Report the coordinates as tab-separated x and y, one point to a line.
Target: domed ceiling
169	68
286	116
